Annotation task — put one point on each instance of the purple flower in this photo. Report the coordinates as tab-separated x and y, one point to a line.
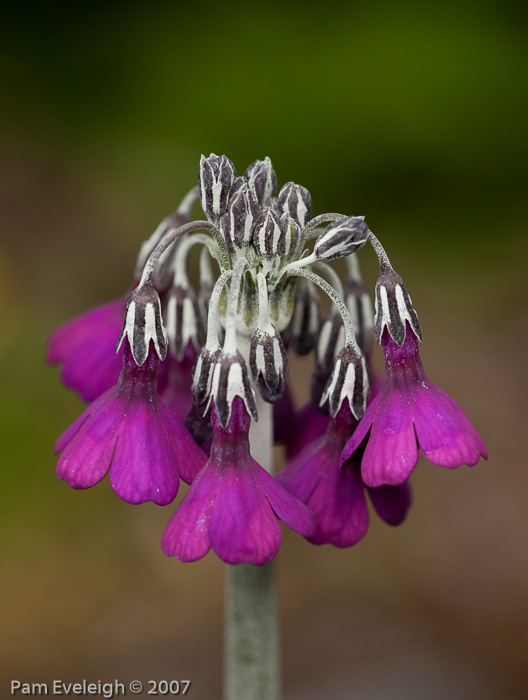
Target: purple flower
233	504
411	412
130	432
85	347
335	493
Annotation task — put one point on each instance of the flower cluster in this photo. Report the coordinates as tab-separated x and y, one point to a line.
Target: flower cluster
197	365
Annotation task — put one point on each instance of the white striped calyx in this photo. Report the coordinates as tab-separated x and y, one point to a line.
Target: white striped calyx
359	305
268	360
143	323
243	212
349	380
341	238
183	321
394	307
216	176
303	329
229	380
202	373
268	237
296	201
261	175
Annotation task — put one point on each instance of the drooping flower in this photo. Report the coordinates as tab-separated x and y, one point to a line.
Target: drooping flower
130	432
85	345
85	349
335	493
233	505
410	412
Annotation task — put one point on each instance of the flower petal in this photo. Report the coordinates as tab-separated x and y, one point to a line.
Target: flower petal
391	452
444	432
243	526
340	507
391	502
71	335
187	533
88	454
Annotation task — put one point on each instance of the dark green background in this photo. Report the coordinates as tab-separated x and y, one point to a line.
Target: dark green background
412	114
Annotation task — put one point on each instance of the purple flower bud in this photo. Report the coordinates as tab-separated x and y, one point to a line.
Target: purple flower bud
268	237
217	174
143	323
296	201
184	321
341	238
394	307
349	380
268	360
261	176
242	215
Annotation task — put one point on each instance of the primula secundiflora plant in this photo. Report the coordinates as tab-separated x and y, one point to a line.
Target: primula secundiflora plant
196	364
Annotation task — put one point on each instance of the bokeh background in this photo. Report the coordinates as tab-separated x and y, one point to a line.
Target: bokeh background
414	114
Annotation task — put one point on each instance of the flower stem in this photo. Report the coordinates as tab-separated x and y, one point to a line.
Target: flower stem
251	669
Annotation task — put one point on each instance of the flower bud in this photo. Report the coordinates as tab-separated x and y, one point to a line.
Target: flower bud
268	237
242	215
296	201
341	238
216	176
184	321
394	307
349	380
268	360
261	176
292	234
143	323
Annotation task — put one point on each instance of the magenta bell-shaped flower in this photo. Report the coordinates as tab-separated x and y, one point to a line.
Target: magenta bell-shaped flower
85	349
131	433
233	504
335	493
411	412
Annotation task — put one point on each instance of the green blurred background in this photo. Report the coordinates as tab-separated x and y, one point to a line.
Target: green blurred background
413	114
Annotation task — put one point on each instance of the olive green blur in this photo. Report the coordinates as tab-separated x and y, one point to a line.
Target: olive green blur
413	114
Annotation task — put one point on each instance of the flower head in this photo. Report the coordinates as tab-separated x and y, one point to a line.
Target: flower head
129	432
408	413
335	493
233	504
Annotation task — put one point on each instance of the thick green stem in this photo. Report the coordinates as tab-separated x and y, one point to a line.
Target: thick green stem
252	664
